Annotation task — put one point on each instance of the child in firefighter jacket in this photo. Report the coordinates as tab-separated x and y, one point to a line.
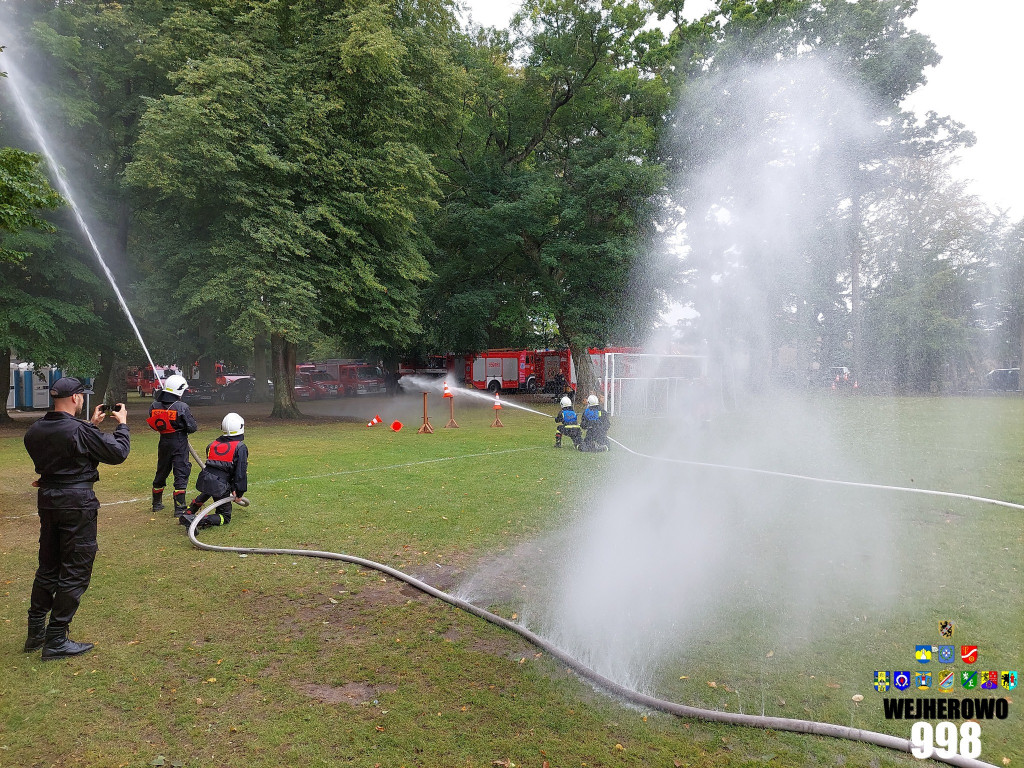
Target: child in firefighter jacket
567	423
595	422
227	461
172	418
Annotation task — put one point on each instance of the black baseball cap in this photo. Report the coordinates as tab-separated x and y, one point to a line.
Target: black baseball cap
67	386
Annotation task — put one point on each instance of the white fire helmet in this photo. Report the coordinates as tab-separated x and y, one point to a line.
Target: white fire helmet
233	424
176	385
566	402
592	400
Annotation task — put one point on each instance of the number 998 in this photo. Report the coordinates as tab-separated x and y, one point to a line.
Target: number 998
943	741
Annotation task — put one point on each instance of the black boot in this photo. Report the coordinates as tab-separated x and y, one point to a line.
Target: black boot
158	499
36	633
180	507
187	518
58	645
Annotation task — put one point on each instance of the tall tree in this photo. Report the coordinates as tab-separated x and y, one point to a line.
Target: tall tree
552	187
292	161
866	50
931	247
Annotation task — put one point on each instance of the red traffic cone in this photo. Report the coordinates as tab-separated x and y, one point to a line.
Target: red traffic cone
396	425
855	384
374	421
447	392
497	402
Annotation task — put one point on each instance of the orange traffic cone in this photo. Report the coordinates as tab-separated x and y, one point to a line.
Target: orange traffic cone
855	384
497	407
452	424
374	421
396	426
833	385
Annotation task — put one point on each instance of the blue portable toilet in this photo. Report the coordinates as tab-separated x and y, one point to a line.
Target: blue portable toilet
23	387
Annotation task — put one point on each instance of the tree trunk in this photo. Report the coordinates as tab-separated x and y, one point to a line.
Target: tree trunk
207	369
117	387
102	380
391	364
5	388
261	392
856	310
586	377
1020	362
282	355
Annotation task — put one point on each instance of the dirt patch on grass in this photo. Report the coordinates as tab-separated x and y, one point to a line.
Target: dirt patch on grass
352	694
442	577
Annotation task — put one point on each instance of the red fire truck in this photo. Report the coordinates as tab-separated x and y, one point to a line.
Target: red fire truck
148	381
502	370
546	370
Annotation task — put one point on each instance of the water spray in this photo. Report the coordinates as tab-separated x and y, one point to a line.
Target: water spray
65	190
440	386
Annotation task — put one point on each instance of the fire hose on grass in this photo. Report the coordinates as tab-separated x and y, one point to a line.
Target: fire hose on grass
639	699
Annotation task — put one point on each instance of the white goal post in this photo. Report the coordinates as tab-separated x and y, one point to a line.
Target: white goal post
640	384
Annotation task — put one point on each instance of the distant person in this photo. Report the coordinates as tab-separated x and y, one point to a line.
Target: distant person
66	451
567	423
227	461
595	422
172	418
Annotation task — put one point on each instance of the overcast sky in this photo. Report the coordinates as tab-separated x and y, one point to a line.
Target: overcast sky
978	83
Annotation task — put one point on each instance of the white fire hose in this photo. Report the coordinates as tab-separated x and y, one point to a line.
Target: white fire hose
643	700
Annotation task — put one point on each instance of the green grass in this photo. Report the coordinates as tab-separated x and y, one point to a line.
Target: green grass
210	659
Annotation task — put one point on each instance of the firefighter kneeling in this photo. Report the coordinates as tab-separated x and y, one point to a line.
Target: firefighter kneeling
227	459
595	422
567	423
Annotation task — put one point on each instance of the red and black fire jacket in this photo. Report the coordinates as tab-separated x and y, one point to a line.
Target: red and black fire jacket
227	464
170	416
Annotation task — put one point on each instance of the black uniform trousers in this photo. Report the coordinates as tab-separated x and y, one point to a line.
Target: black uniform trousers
67	550
172	456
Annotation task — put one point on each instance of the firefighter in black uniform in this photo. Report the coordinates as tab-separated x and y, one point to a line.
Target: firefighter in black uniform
66	451
172	418
595	422
227	461
567	423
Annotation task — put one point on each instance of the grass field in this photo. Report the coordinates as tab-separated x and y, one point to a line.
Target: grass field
210	659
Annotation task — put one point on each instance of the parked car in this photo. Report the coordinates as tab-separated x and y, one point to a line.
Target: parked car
304	388
1005	379
201	393
242	390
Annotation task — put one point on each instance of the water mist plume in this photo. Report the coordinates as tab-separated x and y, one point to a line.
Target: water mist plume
28	114
658	560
